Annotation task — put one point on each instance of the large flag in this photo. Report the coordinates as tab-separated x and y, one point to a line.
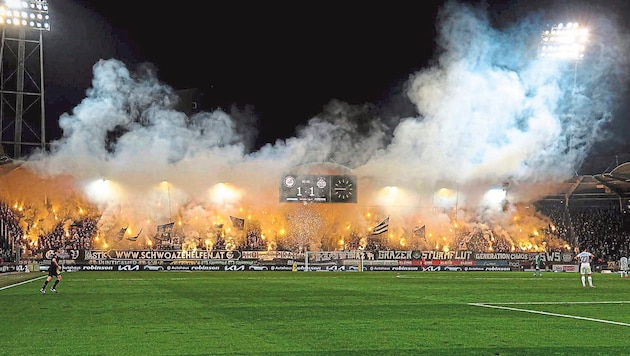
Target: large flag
238	223
420	232
382	227
121	233
164	231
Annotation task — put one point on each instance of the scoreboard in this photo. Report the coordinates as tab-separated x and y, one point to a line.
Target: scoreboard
318	188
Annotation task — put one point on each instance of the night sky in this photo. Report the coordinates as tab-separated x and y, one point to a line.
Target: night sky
282	64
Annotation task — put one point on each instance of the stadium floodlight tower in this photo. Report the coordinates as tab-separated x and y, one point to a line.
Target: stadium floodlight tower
564	42
22	125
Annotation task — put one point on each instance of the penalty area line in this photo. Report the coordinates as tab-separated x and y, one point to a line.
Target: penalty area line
548	313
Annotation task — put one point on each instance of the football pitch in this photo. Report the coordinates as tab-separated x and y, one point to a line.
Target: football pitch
314	313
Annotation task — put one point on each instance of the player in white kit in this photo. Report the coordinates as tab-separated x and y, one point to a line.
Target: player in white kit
585	258
623	267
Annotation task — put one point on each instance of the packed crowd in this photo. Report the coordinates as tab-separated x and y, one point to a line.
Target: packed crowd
80	235
10	232
604	230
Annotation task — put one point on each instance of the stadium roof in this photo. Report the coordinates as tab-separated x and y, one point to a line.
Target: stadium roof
612	185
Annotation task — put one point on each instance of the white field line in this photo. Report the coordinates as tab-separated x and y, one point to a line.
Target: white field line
24	282
500	306
451	275
552	303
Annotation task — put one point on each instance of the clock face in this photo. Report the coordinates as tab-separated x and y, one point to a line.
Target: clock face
343	189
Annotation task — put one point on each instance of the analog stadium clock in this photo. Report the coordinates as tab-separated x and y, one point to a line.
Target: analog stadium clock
343	190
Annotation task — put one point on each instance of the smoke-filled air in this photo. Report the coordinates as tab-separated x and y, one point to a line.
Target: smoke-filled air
489	113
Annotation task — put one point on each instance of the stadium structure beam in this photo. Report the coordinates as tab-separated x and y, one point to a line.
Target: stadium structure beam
618	192
618	178
613	189
572	189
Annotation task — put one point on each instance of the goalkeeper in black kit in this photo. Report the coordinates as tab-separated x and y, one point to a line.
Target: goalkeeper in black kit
53	271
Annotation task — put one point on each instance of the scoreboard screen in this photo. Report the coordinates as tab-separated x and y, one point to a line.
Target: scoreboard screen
318	188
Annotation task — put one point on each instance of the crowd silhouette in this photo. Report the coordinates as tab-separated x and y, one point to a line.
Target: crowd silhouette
604	230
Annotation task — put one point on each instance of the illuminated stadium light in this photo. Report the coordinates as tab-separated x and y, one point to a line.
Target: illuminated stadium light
445	198
564	41
495	198
101	190
32	14
224	193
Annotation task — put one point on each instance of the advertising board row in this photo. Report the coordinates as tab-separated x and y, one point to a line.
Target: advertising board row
312	256
131	267
316	261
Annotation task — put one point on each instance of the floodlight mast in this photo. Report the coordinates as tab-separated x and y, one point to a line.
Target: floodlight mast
22	74
565	42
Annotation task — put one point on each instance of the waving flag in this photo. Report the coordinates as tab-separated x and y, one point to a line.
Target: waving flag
134	238
420	232
238	223
121	233
164	231
382	227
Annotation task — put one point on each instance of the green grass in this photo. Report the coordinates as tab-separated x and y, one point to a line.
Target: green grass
335	313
